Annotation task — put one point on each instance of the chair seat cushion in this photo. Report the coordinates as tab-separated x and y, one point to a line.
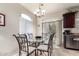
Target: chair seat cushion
43	47
46	42
31	49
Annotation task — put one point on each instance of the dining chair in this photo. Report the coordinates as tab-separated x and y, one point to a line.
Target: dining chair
47	47
30	35
46	37
24	44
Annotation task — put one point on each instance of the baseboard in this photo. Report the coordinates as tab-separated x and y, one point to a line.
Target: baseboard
71	48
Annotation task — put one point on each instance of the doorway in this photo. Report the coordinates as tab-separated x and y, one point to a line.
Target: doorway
53	27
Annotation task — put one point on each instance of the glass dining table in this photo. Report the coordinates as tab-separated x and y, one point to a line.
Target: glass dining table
36	43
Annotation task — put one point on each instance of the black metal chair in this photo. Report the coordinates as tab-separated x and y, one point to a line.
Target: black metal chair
30	35
24	44
47	47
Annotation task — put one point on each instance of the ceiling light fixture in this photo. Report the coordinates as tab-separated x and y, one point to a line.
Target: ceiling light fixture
40	11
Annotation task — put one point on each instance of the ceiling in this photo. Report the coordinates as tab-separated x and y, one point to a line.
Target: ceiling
50	7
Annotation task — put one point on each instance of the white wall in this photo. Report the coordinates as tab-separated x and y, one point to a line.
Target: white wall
8	43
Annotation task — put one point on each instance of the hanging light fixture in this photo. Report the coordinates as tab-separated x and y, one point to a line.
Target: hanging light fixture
40	11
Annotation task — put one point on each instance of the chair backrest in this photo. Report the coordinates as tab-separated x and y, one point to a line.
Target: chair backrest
50	41
25	41
23	37
30	35
50	45
18	39
22	41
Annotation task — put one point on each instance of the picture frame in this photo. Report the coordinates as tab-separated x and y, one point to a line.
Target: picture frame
2	19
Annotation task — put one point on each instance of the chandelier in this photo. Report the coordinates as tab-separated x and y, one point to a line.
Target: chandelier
40	11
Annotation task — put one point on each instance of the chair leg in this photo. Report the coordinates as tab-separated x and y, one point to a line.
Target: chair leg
48	53
27	55
19	52
51	51
35	52
40	52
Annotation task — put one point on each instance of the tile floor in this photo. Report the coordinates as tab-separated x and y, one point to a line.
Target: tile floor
59	52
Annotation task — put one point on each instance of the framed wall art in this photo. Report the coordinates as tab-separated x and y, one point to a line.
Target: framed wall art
2	19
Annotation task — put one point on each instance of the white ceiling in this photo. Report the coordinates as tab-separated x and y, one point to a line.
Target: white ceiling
50	7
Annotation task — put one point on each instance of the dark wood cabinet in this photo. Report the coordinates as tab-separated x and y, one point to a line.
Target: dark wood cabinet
69	20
